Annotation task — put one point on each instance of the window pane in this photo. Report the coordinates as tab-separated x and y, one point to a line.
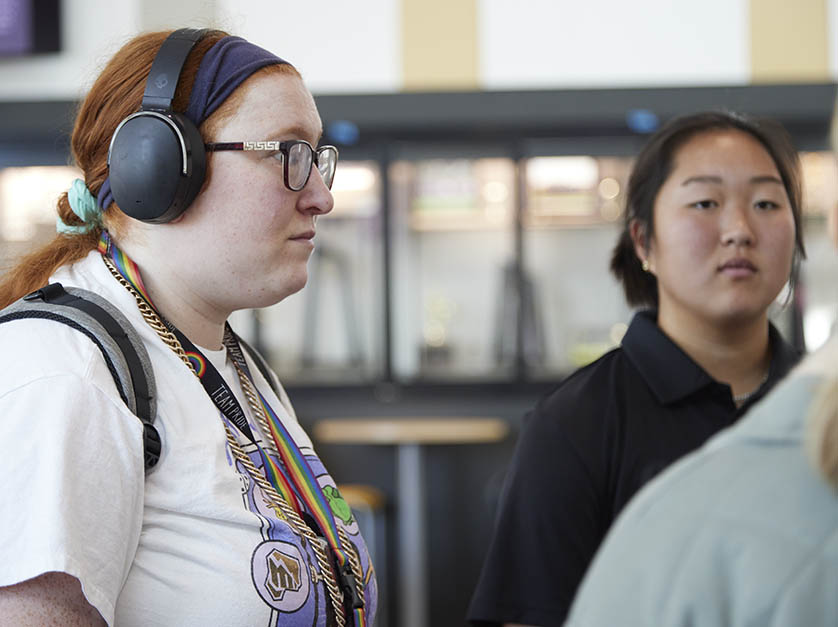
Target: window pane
28	198
572	220
452	252
819	271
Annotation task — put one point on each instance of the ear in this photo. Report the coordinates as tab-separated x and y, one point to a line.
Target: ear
642	243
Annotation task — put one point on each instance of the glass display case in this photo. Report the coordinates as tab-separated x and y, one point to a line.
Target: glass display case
472	232
571	221
467	298
452	248
818	296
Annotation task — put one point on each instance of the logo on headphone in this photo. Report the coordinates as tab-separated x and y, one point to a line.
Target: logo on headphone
161	80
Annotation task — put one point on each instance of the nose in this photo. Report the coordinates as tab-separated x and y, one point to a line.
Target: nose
315	197
736	228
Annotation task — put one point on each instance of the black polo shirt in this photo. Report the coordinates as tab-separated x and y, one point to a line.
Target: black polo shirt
583	452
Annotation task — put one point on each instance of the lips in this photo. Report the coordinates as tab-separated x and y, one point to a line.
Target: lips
306	235
738	266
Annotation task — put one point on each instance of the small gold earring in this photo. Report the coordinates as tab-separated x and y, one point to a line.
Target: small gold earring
645	265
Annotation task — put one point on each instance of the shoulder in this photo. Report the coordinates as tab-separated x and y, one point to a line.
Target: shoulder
601	374
57	371
41	349
588	392
53	375
743	517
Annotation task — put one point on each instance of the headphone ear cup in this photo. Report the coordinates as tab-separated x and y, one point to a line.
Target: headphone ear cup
157	165
196	164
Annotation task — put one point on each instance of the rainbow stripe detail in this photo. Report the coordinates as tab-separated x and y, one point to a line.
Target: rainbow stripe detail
279	481
127	268
306	482
360	617
199	364
304	478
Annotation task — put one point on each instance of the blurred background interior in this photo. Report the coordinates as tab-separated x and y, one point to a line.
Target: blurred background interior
485	147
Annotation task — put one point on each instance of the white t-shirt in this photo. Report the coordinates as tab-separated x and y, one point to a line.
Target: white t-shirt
190	543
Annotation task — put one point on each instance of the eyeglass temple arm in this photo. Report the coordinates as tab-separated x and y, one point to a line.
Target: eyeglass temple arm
213	147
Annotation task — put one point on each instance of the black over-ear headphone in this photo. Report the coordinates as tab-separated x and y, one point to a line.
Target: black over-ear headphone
156	158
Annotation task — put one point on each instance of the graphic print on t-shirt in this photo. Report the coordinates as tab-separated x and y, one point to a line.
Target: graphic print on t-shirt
284	570
341	510
280	575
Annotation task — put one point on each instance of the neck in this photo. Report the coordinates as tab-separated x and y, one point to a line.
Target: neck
175	297
737	354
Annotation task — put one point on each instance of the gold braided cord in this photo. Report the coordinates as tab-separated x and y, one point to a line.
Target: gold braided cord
259	412
150	316
275	500
272	497
299	525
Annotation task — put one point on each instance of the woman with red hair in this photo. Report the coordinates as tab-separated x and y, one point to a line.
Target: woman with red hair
238	523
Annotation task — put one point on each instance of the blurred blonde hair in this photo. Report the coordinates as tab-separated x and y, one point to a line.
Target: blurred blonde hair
823	413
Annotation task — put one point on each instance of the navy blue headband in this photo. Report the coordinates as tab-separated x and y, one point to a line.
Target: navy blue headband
225	66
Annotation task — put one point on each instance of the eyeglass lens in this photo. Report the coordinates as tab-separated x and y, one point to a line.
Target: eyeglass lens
327	161
299	165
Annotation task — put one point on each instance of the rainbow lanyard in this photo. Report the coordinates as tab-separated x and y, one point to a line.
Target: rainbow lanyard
305	485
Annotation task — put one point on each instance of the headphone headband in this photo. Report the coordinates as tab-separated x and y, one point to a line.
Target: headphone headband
166	68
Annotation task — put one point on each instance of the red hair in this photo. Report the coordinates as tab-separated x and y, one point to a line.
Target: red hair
116	94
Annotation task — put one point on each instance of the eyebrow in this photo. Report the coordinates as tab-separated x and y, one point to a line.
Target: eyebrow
765	178
297	131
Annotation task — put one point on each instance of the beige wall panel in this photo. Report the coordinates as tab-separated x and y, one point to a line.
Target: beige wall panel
789	41
553	44
439	43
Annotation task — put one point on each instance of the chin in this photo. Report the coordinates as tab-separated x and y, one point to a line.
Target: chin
290	285
742	313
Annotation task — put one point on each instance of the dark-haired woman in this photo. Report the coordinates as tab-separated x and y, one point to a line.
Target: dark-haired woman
239	523
742	530
711	236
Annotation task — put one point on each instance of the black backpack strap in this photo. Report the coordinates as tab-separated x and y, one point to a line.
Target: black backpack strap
116	338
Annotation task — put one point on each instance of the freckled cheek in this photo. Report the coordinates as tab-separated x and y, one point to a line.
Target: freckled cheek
261	210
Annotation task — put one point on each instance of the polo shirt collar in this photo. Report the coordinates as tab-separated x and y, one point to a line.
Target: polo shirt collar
668	371
672	375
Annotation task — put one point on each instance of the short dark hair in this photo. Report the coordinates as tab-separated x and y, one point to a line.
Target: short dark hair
653	166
